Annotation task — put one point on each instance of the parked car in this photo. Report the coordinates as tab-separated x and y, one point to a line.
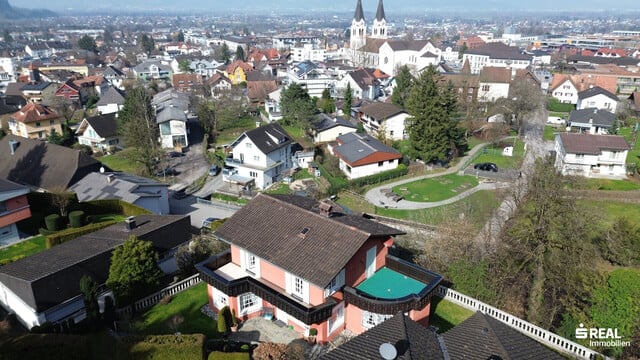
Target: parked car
206	223
175	154
486	167
169	171
214	170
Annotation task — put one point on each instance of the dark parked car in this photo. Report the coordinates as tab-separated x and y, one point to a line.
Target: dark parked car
486	167
166	172
175	154
214	170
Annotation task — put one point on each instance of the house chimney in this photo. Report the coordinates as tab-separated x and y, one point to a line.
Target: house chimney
595	111
130	223
110	178
13	145
326	209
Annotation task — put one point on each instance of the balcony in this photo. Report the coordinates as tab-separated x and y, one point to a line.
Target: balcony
399	286
231	162
219	272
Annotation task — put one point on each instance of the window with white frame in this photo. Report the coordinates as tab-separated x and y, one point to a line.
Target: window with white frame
370	319
336	283
251	263
298	287
248	302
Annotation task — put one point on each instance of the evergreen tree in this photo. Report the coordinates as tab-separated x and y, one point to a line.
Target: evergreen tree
224	54
89	289
432	127
147	43
462	50
134	271
87	43
7	36
348	99
297	106
326	104
240	53
404	81
137	126
179	36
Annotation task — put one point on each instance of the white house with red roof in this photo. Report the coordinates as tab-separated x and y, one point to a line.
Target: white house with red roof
362	155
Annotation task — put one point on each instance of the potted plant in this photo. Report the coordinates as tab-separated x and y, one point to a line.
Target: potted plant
311	339
234	321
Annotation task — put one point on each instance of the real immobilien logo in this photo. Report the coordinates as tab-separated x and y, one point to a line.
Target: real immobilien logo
601	337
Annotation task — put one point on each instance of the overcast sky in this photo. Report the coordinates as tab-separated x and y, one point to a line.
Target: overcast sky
344	5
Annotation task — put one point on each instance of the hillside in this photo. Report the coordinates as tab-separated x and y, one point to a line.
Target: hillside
9	12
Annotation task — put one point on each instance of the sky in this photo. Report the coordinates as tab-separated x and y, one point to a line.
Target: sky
337	5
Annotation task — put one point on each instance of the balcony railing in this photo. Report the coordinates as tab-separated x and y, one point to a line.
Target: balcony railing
391	306
235	287
231	162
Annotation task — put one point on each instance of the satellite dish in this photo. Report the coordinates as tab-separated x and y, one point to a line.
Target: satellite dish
388	351
101	169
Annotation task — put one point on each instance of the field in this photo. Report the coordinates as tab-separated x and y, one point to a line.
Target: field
435	189
494	155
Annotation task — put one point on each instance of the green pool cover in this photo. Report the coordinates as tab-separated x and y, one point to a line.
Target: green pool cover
388	284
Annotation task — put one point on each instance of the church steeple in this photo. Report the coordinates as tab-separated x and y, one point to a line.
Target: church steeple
359	15
379	29
358	28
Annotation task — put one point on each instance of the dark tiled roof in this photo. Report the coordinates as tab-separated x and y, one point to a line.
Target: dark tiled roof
481	336
364	78
620	61
105	125
11	103
43	165
592	144
111	96
596	90
499	50
270	227
380	11
381	110
50	277
117	185
355	149
326	122
10	190
35	86
592	116
411	340
268	137
400	45
359	14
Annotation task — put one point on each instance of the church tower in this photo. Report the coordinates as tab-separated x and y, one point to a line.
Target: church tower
358	29
379	30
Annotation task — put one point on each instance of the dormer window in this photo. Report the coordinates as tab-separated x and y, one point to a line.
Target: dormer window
303	233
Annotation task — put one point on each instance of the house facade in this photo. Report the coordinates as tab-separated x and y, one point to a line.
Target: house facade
494	83
310	76
260	156
327	128
381	118
173	126
591	121
152	70
362	155
35	121
320	269
496	54
14	207
591	155
99	132
599	98
237	71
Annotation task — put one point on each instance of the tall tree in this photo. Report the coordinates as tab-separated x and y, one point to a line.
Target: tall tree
240	53
88	43
198	249
184	65
297	106
223	53
89	290
348	99
6	35
179	36
134	271
137	126
404	82
326	104
147	43
433	128
207	117
463	49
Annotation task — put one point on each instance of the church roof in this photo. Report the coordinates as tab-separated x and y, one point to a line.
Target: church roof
380	12
359	15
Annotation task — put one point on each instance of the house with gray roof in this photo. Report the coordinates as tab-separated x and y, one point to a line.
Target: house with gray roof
383	119
590	155
111	101
171	108
496	54
45	287
99	132
591	120
152	70
327	128
599	98
363	155
146	193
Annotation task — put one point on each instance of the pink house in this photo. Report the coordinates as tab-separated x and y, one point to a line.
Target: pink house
14	207
309	266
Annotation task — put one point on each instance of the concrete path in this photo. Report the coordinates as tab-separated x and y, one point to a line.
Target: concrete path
377	198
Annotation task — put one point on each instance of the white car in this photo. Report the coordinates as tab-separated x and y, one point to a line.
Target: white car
555	120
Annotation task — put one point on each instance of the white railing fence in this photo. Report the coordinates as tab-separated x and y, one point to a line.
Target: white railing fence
155	298
541	335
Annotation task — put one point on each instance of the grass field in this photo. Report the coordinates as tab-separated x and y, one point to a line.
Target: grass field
494	155
23	249
435	189
550	132
608	184
157	320
447	314
298	135
473	141
609	211
232	132
120	162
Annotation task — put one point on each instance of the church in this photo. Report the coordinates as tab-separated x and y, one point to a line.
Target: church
376	50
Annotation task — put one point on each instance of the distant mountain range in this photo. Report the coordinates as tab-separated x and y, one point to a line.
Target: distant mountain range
9	12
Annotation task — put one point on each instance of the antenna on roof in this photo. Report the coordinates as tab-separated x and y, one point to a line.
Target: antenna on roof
388	351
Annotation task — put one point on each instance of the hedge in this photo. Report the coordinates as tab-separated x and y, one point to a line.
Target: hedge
77	218
72	233
112	206
52	222
337	184
223	320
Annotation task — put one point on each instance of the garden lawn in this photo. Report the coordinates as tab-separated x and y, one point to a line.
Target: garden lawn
298	135
120	162
447	314
633	156
436	189
494	155
22	249
474	141
219	355
280	188
550	133
187	304
609	184
609	211
476	208
232	132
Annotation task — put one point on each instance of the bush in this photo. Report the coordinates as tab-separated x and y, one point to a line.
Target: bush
99	207
52	222
313	332
77	218
244	348
70	234
223	324
86	149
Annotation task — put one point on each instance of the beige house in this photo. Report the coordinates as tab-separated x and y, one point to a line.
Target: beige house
35	121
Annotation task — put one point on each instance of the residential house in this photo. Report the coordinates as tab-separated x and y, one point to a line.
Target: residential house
111	101
99	132
363	82
38	50
219	85
384	119
493	83
172	121
45	287
9	104
465	85
261	156
599	98
308	52
38	92
591	155
144	192
35	121
152	70
565	87
14	207
327	128
259	85
363	155
320	269
237	71
188	83
416	54
311	77
203	67
114	76
496	54
43	166
592	121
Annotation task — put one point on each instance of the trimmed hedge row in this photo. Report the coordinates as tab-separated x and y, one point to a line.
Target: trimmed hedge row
98	207
72	233
336	186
